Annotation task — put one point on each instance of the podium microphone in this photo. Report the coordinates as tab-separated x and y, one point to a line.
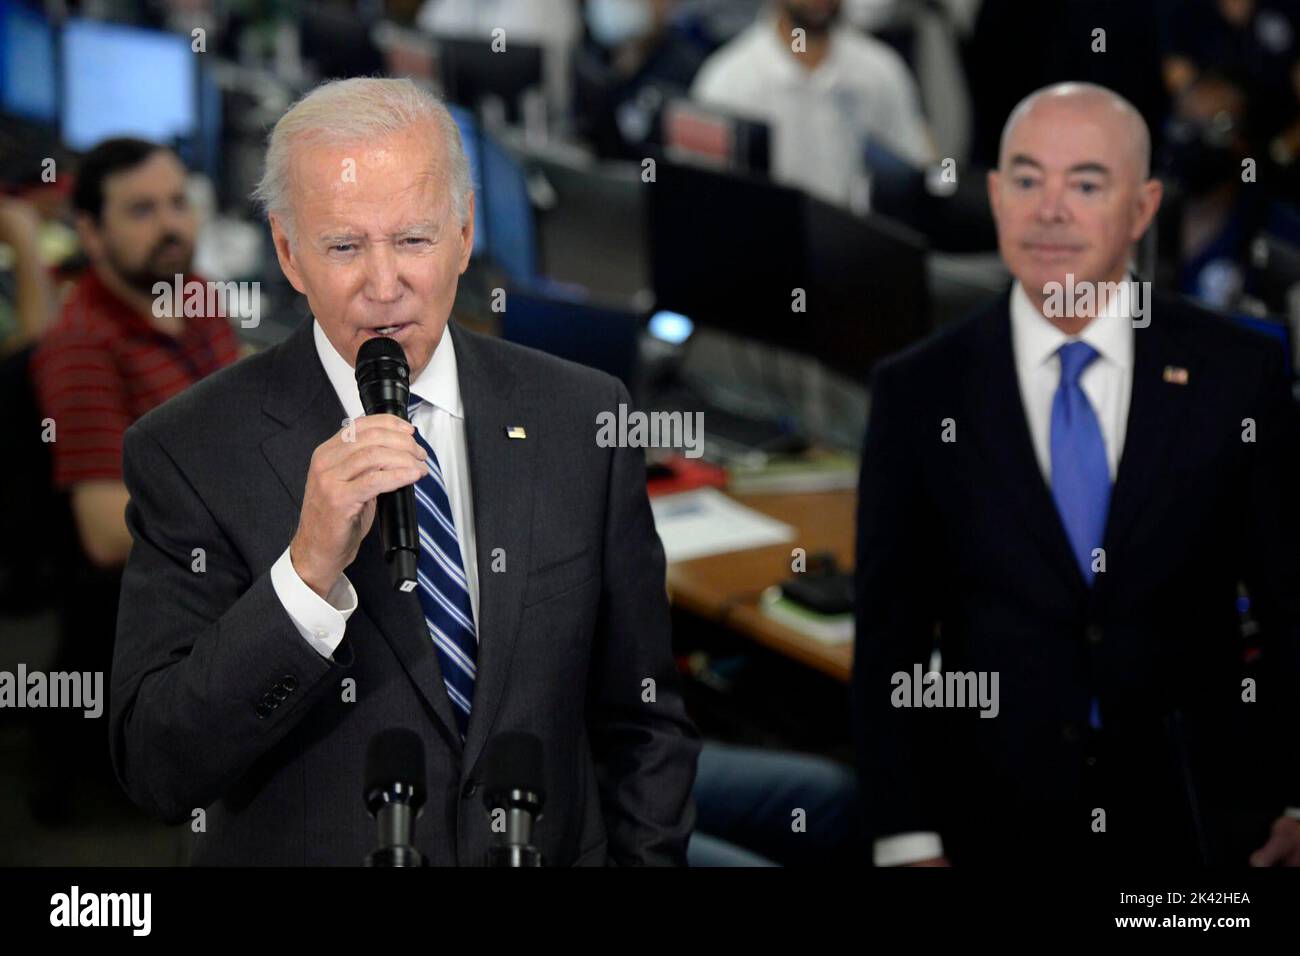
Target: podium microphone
383	379
394	791
512	779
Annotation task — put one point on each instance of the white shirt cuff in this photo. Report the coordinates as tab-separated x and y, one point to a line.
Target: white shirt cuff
321	621
1292	812
907	848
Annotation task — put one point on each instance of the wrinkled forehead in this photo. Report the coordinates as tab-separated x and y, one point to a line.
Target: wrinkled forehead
389	173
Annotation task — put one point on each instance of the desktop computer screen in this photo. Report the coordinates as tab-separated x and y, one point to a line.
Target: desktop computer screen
705	135
511	228
471	71
107	93
471	140
28	87
775	265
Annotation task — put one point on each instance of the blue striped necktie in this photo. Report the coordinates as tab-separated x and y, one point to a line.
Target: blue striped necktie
443	587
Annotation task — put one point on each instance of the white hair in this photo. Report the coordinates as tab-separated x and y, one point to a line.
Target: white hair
355	111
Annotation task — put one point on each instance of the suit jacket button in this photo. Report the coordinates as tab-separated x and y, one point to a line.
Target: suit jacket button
1093	634
471	788
263	711
280	691
290	682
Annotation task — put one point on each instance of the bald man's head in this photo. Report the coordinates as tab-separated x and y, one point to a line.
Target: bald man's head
1108	106
1072	192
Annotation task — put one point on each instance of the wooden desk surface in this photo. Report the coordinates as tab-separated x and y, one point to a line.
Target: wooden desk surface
725	587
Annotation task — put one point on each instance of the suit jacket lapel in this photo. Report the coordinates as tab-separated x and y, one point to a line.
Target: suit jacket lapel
502	481
1155	410
1003	433
302	399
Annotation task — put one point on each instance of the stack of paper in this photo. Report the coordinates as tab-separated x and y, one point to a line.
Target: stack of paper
705	521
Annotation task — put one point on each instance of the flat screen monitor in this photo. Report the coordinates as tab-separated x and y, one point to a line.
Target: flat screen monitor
28	82
704	135
471	140
772	264
471	71
125	81
508	208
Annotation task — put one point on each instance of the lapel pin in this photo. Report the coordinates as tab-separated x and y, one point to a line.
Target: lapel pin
1175	375
516	431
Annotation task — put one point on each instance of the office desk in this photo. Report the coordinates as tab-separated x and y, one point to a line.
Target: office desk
725	587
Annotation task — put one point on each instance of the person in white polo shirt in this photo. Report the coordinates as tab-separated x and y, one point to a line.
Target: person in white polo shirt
824	89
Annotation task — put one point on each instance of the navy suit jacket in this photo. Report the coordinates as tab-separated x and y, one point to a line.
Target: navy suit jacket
960	545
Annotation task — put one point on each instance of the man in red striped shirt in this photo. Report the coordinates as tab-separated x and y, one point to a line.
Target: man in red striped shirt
111	356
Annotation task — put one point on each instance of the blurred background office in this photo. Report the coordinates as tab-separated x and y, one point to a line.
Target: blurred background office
736	206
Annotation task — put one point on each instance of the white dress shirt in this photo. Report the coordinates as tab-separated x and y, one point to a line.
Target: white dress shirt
820	119
1108	383
441	423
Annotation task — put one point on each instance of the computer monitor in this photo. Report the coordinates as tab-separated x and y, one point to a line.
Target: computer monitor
28	81
472	71
704	135
566	324
125	81
471	139
770	263
508	209
202	151
953	216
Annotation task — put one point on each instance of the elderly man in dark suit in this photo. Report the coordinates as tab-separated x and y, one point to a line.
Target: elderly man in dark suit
1061	496
261	644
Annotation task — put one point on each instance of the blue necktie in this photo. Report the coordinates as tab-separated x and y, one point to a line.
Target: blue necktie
1080	474
443	587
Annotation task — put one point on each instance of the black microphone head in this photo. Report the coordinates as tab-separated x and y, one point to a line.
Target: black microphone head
383	377
379	347
512	761
395	767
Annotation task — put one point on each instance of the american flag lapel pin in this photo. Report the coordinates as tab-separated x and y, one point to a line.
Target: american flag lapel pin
516	431
1175	375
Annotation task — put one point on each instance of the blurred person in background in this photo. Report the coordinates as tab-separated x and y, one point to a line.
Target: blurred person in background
33	293
110	357
1206	141
637	56
823	90
1255	40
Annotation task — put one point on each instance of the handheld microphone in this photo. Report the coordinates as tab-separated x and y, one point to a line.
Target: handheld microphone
512	778
394	793
383	379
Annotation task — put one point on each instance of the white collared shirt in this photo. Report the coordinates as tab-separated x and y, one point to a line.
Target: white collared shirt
441	423
1108	383
820	119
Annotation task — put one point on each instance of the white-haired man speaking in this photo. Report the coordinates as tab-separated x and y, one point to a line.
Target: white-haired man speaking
261	645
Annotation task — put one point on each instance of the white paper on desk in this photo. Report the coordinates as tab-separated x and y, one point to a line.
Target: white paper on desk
698	523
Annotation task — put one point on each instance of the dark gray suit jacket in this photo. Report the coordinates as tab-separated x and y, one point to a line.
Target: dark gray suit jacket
218	702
